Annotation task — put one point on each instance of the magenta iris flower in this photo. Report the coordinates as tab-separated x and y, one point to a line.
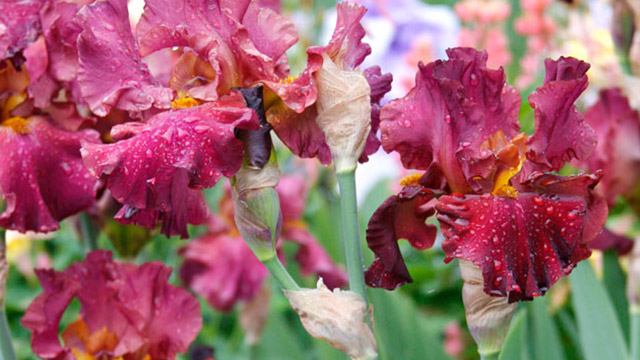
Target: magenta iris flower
126	311
497	202
221	267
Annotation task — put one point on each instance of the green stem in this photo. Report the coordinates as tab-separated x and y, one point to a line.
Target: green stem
89	232
6	347
281	274
493	356
351	232
634	312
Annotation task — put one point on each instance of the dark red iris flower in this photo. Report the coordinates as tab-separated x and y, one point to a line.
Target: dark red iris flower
126	311
496	201
221	267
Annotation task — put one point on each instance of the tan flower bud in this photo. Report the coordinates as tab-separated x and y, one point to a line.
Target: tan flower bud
488	317
344	112
338	317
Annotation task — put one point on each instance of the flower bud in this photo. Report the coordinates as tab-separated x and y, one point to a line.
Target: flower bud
339	317
257	207
488	317
633	280
344	112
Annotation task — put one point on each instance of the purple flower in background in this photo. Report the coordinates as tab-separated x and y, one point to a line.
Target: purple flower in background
402	33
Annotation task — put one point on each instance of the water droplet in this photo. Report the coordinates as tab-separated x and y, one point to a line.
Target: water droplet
549	210
537	200
474	79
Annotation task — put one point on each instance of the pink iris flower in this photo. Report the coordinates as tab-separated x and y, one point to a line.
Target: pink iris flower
126	311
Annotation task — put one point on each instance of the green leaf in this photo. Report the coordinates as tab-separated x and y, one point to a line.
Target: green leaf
515	344
546	340
402	331
600	332
615	282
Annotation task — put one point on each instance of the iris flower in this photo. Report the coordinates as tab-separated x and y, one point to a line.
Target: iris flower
126	312
498	204
42	177
186	141
221	267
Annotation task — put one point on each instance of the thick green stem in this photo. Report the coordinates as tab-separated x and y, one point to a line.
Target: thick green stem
281	274
351	231
6	347
89	232
635	332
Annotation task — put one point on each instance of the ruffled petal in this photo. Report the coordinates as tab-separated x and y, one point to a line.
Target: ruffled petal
168	316
137	308
561	133
157	163
262	42
19	25
345	48
222	269
448	118
61	33
618	149
43	179
401	216
111	72
523	245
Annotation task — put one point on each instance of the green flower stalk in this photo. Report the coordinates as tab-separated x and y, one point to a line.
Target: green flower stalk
6	347
344	116
488	317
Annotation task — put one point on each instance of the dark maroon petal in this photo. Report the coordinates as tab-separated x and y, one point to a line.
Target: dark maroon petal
313	259
522	245
222	269
608	240
561	133
618	149
380	84
300	132
447	119
42	178
19	24
401	216
257	143
175	151
111	72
